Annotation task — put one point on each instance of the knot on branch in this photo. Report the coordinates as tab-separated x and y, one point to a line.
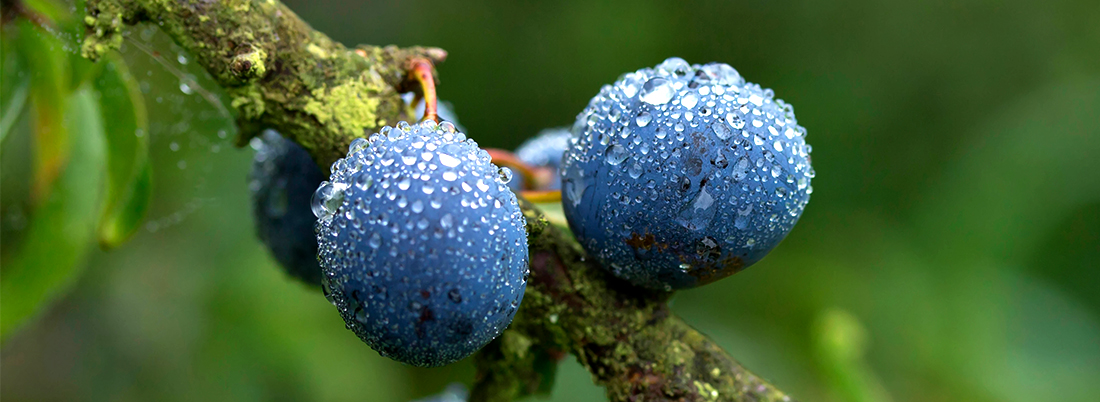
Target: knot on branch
248	64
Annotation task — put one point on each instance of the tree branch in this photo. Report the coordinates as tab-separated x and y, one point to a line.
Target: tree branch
277	70
282	74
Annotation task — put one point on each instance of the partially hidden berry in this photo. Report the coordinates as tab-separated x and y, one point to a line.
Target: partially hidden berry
455	392
282	183
423	246
543	151
683	174
445	110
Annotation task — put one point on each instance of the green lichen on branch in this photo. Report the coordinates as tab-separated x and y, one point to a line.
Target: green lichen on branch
625	336
277	70
282	74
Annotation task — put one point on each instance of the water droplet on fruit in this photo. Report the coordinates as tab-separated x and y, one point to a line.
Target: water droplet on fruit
735	121
448	160
721	130
656	91
616	154
689	100
741	169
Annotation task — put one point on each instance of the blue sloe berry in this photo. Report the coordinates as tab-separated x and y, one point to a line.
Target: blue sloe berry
422	244
543	150
682	174
282	183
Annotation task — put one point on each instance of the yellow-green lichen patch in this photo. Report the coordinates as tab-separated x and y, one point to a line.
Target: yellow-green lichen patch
706	390
104	29
250	65
248	100
317	51
351	106
516	344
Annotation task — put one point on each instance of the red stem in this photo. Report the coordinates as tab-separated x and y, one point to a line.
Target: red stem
421	70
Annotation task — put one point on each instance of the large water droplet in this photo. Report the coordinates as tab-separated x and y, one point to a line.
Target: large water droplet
698	213
616	154
741	169
689	100
735	121
363	181
721	130
448	160
325	200
674	65
657	91
574	185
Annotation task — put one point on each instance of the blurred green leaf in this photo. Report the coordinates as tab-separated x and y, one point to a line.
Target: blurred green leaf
61	228
840	342
47	63
14	90
47	8
1032	164
129	174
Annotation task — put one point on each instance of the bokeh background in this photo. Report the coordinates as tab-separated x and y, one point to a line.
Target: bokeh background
951	251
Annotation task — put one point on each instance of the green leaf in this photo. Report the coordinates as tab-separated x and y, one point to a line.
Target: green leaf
14	89
48	65
129	174
48	8
61	228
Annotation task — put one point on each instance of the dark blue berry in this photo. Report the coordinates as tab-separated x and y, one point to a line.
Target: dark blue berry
543	150
282	181
423	246
684	174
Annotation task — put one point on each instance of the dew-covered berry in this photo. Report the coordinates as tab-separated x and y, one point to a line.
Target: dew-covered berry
544	150
423	246
282	181
683	174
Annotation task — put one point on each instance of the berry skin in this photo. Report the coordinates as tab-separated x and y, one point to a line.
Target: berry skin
282	181
681	175
543	150
423	247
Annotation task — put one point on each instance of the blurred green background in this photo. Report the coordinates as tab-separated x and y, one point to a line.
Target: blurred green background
951	251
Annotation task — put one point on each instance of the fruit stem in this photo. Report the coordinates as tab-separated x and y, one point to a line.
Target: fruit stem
541	196
420	69
508	159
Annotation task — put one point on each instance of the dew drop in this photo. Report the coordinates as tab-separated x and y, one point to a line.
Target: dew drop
616	154
448	160
656	91
689	100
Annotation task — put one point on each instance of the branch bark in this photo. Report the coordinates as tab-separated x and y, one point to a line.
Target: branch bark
280	73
